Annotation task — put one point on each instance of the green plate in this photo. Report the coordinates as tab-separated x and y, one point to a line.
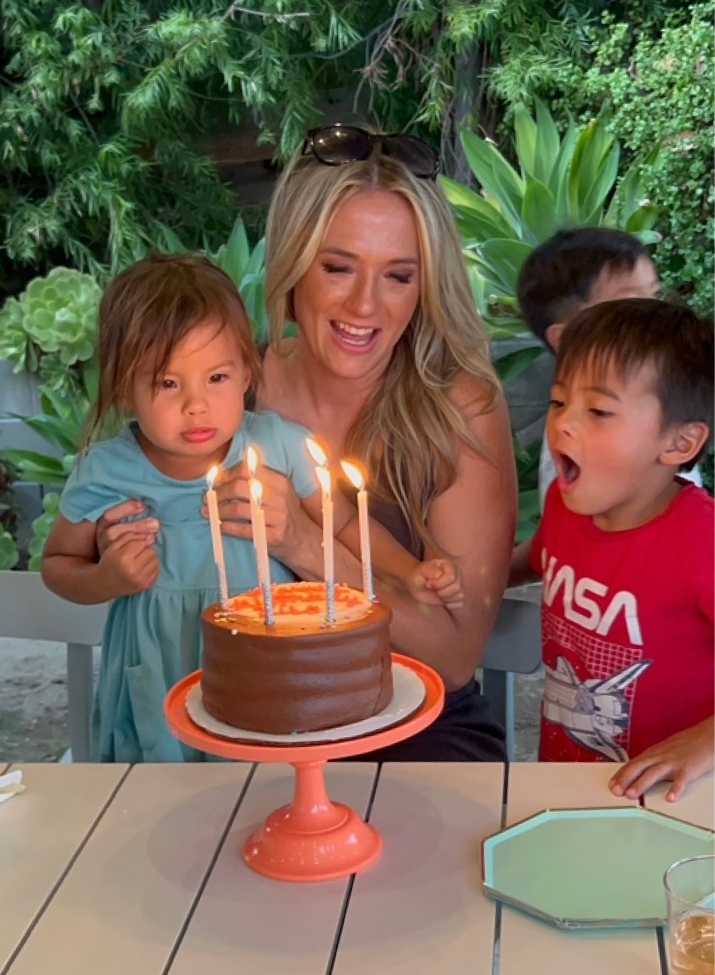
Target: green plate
579	868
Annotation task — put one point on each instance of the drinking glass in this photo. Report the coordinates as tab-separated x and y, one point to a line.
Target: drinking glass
689	889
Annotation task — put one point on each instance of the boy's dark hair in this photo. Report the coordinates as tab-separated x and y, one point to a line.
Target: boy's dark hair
632	332
557	277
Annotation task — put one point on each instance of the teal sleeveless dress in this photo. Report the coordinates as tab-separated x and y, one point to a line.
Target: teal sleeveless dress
153	639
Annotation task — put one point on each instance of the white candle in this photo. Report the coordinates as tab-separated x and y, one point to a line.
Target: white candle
323	475
355	476
260	541
216	539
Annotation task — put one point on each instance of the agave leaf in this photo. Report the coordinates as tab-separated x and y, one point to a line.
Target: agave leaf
235	258
529	514
493	172
644	218
504	258
558	182
53	429
547	143
648	236
513	364
474	226
171	243
526	136
37	468
604	181
538	211
257	260
591	149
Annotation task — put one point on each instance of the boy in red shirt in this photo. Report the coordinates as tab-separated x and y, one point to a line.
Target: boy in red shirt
625	547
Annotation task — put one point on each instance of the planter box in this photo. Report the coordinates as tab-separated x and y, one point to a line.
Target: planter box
29	611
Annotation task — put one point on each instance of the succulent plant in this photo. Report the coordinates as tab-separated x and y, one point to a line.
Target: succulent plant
55	315
9	556
41	528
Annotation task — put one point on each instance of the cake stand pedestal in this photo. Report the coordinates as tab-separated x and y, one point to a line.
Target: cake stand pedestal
313	838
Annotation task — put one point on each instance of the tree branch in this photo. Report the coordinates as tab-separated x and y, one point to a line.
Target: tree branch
236	8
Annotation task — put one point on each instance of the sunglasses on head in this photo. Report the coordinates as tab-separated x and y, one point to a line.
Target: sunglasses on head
336	145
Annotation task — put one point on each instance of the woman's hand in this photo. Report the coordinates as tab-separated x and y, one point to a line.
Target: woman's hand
286	521
111	526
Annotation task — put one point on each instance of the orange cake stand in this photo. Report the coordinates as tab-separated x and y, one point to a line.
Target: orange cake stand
312	838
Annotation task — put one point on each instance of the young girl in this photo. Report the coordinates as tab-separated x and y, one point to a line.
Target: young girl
177	356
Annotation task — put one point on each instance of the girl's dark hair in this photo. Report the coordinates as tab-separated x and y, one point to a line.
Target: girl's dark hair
627	334
147	310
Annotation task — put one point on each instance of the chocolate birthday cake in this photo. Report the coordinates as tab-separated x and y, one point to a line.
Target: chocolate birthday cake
301	673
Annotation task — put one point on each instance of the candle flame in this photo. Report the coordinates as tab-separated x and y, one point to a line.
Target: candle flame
316	452
252	460
211	476
323	476
256	490
353	473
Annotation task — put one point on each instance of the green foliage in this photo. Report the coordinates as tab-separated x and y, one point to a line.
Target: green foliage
9	556
41	528
560	181
61	423
244	266
52	326
658	77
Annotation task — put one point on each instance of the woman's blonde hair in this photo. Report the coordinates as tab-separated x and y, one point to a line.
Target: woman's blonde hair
146	311
407	435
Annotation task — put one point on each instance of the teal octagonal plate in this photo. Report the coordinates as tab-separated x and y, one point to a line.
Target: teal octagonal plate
579	868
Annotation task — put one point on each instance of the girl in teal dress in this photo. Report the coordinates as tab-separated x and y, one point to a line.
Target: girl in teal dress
176	354
176	358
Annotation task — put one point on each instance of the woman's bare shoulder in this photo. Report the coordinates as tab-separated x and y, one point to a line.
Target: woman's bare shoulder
475	396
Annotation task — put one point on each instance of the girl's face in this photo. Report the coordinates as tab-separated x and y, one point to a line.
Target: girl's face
606	436
361	291
189	417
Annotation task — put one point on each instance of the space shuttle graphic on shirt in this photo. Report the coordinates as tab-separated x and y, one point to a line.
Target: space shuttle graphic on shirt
592	711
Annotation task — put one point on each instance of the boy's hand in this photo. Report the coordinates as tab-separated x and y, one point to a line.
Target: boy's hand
438	581
128	566
683	758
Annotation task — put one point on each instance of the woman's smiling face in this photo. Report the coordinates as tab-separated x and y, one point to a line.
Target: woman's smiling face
361	291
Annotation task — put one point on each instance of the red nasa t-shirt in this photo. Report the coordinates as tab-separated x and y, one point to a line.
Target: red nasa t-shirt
627	628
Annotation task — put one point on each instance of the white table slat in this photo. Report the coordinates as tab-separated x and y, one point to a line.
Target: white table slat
524	940
122	905
256	926
41	829
697	804
420	909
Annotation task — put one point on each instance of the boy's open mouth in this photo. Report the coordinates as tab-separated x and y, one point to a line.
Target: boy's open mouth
569	469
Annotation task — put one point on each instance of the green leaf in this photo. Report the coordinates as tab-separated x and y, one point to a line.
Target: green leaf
494	173
504	258
538	211
235	258
513	364
547	143
525	134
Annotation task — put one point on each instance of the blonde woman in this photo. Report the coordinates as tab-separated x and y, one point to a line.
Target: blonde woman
390	365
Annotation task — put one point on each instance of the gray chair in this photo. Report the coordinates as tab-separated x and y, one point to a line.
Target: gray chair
29	611
514	648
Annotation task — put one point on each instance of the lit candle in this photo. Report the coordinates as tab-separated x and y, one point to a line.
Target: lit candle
355	476
216	539
323	475
260	541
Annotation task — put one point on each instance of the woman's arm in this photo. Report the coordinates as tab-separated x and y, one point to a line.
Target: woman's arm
71	570
473	521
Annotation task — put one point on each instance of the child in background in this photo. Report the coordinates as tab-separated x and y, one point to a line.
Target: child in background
176	353
571	271
625	547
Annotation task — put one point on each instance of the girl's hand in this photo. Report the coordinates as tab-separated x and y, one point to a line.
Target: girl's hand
111	527
286	519
128	566
438	581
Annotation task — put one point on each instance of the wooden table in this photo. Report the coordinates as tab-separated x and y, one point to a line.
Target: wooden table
111	870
